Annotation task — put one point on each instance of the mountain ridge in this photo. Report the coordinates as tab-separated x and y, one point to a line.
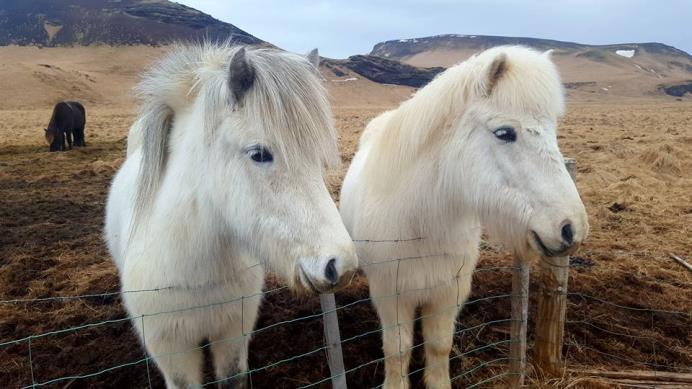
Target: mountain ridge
411	46
624	69
111	22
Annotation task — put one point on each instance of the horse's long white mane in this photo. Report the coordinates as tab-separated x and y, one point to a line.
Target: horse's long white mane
287	101
530	83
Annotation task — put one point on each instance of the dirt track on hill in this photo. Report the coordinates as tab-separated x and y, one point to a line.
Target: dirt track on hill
634	163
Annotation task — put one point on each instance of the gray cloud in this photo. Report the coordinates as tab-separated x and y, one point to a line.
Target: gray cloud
342	28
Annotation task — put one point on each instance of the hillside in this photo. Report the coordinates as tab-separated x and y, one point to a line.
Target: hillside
112	22
94	51
632	69
37	78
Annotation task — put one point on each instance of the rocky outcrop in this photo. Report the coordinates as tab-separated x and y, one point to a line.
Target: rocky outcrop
387	71
678	90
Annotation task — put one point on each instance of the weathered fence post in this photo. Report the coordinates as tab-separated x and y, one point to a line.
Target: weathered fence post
520	315
552	303
332	337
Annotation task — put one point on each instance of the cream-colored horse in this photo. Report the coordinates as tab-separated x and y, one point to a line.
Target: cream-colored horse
223	179
475	149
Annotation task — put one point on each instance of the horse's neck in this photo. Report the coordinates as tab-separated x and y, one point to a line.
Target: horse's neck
193	242
416	131
180	202
424	118
425	201
407	163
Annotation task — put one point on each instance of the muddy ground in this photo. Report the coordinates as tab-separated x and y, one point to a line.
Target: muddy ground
634	163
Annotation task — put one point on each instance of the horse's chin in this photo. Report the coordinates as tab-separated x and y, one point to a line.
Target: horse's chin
536	244
303	285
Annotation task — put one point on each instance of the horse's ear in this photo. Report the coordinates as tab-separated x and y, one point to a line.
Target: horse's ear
495	72
242	74
548	53
314	58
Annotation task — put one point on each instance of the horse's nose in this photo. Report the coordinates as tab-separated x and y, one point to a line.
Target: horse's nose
330	272
567	233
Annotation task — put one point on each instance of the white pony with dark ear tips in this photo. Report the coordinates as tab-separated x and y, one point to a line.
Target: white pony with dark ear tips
476	148
223	180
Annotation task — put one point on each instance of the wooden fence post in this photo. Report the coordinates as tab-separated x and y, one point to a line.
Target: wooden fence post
332	337
552	304
520	315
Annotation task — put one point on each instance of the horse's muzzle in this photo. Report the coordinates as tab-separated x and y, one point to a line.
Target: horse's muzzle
329	281
568	246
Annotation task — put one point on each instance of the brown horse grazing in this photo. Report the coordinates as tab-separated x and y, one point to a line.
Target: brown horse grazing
67	121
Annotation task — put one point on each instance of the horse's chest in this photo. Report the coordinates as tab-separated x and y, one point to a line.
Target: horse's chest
192	272
419	269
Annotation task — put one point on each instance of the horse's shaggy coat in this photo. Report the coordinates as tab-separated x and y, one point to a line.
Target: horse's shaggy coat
476	148
200	210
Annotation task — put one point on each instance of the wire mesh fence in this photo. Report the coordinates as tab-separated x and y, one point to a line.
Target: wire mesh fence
40	379
625	343
623	340
480	355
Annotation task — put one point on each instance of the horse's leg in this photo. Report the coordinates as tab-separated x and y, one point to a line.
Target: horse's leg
230	350
55	144
77	137
230	359
180	361
397	338
438	317
69	138
80	134
63	143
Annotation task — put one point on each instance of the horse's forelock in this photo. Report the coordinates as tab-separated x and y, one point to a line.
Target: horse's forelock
286	100
528	81
290	103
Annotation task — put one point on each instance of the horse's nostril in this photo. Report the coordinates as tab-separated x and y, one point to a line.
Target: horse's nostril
330	271
568	234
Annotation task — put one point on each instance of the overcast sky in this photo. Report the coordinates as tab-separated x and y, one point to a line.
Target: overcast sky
345	27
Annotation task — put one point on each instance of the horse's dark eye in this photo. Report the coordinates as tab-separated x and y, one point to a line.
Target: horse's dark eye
261	155
507	134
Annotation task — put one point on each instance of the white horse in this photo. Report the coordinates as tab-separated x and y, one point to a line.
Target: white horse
224	175
476	148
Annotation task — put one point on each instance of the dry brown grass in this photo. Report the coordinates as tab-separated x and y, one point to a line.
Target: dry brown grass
633	168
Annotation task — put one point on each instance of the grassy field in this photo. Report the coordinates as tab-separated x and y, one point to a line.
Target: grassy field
633	162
